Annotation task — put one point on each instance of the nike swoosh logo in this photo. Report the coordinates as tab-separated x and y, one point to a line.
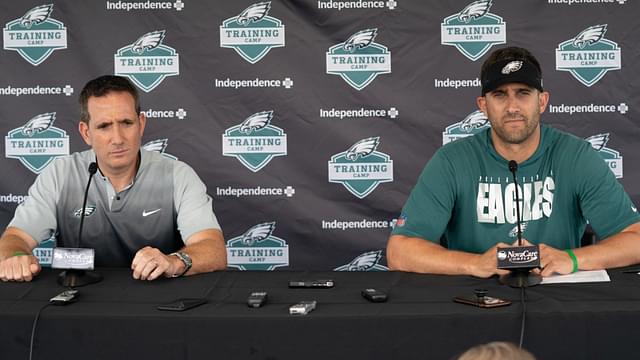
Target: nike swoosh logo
146	213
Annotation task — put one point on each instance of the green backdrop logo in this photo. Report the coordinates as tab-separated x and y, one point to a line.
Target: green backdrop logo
588	56
361	168
368	261
252	34
255	142
610	156
471	125
37	143
258	249
474	30
359	60
35	35
147	62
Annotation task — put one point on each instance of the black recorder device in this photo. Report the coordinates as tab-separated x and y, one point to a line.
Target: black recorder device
314	284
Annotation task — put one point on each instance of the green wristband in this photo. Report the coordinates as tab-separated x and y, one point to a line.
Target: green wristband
19	253
574	260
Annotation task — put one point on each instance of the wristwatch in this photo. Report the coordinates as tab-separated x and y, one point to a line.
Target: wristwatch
186	259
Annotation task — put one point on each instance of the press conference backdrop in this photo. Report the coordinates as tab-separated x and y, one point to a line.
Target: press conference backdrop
309	121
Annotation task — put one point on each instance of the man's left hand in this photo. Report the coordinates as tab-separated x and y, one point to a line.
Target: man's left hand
150	263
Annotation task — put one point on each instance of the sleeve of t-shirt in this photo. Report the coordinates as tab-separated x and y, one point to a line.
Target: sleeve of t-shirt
194	207
36	215
603	201
428	209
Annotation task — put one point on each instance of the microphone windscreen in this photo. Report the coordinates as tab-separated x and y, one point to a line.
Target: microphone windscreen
513	166
93	167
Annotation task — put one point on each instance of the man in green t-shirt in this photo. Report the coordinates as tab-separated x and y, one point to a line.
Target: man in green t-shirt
463	205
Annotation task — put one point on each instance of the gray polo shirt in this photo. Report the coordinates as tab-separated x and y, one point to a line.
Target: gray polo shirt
164	205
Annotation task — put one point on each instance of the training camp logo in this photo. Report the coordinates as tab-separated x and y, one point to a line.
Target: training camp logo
252	34
159	146
44	251
147	62
35	35
361	168
88	211
610	156
474	30
588	56
359	60
471	125
255	141
258	249
368	261
37	143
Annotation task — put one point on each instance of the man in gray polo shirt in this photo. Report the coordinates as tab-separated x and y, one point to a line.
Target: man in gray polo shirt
143	210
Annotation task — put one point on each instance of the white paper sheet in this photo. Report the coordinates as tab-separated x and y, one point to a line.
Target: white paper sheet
578	277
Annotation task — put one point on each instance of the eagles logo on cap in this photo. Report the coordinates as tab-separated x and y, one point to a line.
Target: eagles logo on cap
511	67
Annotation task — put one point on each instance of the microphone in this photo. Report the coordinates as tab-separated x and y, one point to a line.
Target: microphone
519	259
77	277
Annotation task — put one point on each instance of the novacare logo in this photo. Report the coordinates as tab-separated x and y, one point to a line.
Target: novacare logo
35	35
588	56
361	168
255	142
252	34
474	30
258	249
359	60
147	62
471	125
37	143
610	156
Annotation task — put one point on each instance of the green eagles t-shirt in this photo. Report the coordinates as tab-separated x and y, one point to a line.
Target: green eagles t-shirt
466	194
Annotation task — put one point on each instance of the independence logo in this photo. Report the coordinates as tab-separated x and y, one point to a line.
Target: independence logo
37	143
610	156
258	249
35	35
474	30
359	60
252	34
368	261
471	125
255	142
361	168
588	56
159	146
147	62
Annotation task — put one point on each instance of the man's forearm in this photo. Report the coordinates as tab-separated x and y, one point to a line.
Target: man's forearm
422	256
207	251
621	249
11	243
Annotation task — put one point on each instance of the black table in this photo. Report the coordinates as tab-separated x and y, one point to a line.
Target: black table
117	318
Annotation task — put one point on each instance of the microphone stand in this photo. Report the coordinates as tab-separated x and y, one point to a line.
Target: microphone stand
74	277
520	277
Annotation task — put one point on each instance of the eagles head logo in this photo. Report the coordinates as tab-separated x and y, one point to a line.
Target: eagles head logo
37	15
514	232
254	13
362	148
360	40
590	36
475	120
511	67
156	145
258	233
38	124
599	141
475	10
88	211
256	122
365	261
148	41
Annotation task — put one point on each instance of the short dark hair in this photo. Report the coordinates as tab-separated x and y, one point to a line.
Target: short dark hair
103	85
509	53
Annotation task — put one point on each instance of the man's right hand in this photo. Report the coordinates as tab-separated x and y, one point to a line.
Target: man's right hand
19	268
486	264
